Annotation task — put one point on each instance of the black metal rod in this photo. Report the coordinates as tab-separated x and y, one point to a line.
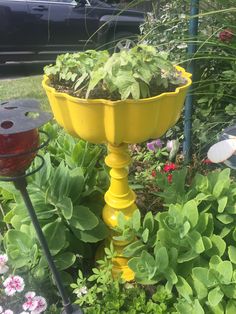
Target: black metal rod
21	185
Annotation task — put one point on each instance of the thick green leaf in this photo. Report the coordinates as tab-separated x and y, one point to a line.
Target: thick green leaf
148	221
64	260
222	202
215	296
202	274
55	236
229	290
195	240
231	307
66	207
134	249
218	246
83	218
232	253
184	288
136	220
145	235
225	269
200	183
222	182
225	219
96	234
162	258
190	211
200	288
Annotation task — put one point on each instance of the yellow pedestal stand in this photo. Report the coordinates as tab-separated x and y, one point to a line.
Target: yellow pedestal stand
119	199
118	122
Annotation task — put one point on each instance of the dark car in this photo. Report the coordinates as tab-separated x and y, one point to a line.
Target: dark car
41	29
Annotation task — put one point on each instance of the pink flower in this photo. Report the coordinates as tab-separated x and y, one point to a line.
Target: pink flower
13	284
31	304
3	267
1	309
41	306
169	167
226	35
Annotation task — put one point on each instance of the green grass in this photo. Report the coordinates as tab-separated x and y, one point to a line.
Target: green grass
28	87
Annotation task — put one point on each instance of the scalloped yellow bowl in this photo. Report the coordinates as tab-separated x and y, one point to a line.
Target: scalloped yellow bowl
116	122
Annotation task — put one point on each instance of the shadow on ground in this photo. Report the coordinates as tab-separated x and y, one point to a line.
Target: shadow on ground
12	70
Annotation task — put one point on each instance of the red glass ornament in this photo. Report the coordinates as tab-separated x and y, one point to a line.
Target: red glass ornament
17	143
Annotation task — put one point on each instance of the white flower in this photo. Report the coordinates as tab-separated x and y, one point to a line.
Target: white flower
25	313
8	312
1	309
81	291
13	284
3	267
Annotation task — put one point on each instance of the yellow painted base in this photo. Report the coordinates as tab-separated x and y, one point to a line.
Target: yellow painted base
119	199
120	267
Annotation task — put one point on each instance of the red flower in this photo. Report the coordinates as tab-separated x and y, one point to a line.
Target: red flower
226	35
169	177
206	161
154	173
169	167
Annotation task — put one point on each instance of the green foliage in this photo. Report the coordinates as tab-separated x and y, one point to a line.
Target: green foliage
214	87
140	72
191	245
67	194
102	294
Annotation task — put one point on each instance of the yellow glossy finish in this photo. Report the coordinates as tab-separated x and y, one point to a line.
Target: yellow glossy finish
116	122
119	199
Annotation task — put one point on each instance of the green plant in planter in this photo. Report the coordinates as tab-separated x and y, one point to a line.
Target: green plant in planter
138	73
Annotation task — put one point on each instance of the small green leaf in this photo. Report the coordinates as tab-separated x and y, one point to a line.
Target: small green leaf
225	269
225	219
232	253
184	288
148	221
222	202
215	296
145	235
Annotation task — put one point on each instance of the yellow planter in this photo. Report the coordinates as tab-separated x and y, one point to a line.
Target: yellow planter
115	122
118	123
